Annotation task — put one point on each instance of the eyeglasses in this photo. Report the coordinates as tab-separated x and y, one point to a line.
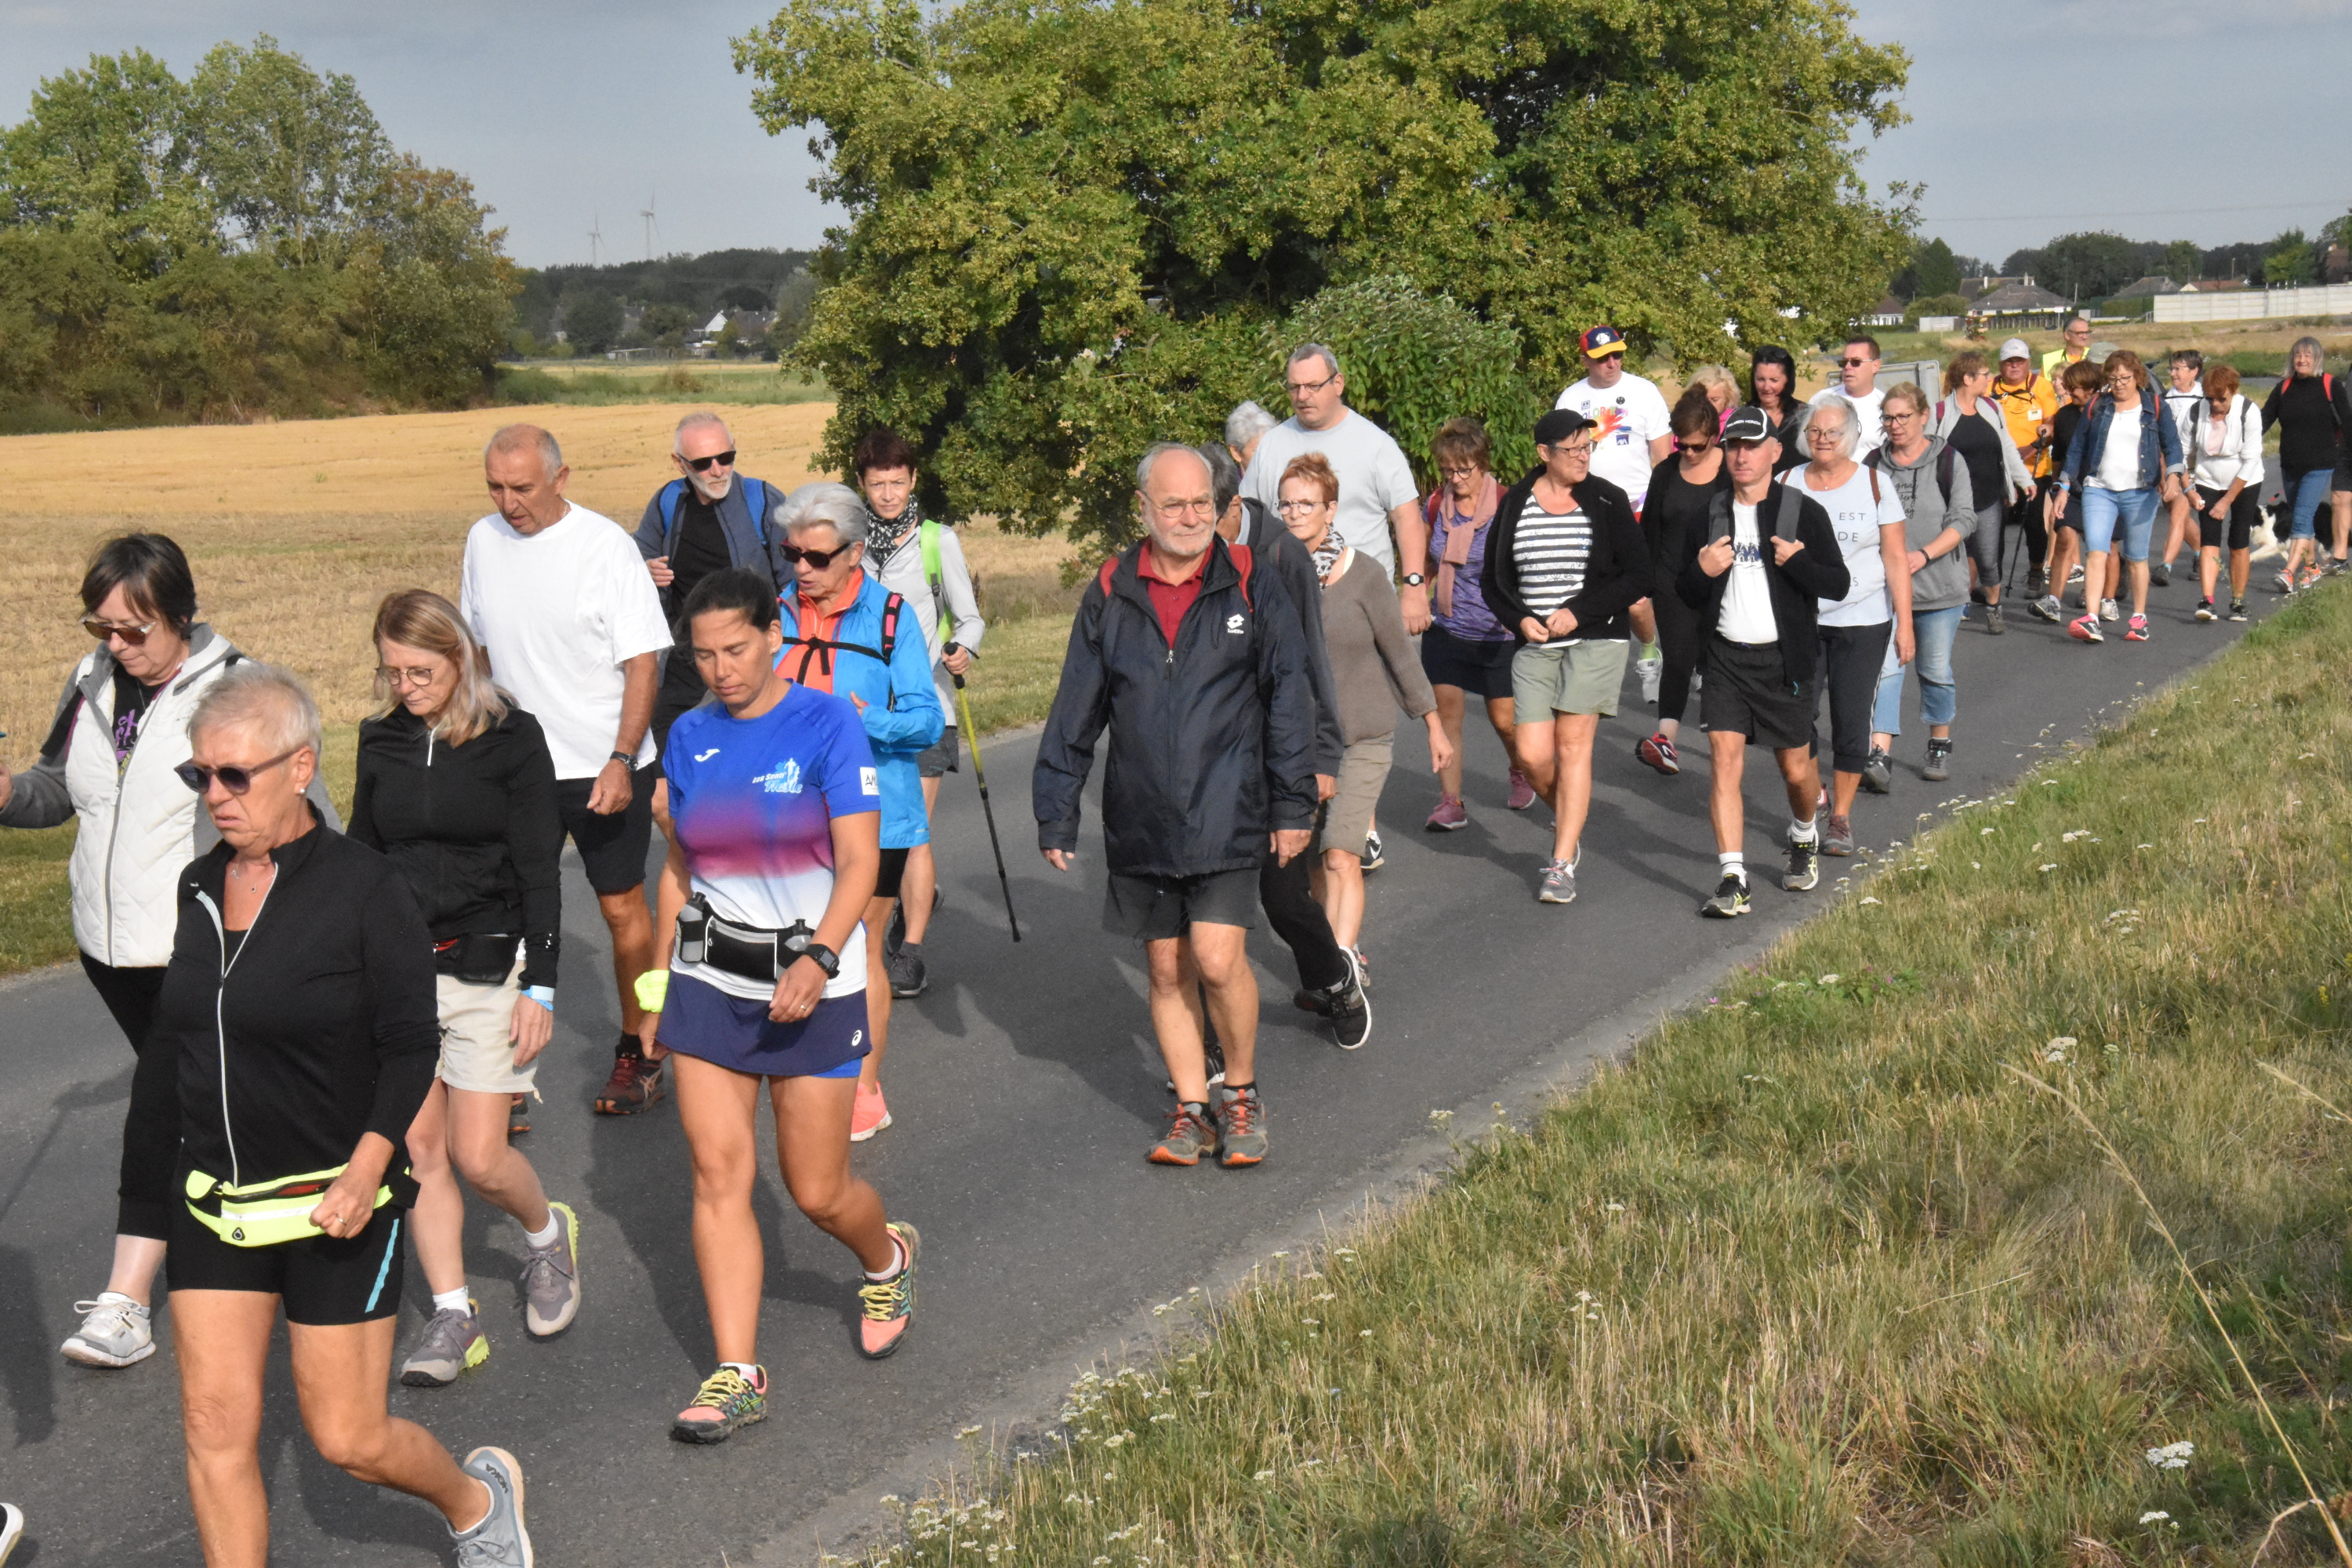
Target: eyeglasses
1300	508
1463	473
133	637
1905	414
818	560
1819	432
235	780
1200	506
1581	449
1301	388
397	679
725	459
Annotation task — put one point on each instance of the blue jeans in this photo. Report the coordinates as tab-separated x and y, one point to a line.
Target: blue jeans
2306	497
2106	511
1932	632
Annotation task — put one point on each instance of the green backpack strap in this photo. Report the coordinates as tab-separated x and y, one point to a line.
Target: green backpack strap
926	534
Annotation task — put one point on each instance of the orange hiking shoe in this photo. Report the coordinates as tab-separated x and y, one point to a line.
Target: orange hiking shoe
1191	1133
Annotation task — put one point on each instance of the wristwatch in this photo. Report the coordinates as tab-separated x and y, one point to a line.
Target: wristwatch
1415	579
825	958
627	759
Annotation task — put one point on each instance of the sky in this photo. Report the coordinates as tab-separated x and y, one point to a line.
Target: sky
581	115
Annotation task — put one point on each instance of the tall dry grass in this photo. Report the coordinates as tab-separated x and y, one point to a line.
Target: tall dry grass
1814	1277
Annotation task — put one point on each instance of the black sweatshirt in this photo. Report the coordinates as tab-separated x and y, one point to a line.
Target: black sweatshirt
323	1028
1816	573
474	828
1616	574
2312	433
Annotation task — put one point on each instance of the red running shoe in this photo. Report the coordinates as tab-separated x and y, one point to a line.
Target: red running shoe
1658	753
635	1085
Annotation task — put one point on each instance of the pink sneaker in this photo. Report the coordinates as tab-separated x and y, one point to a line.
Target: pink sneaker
1448	816
869	1115
1523	794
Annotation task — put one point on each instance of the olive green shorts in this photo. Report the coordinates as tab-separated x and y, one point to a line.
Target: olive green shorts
1567	678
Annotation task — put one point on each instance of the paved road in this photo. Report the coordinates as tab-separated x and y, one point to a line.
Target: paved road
1025	1092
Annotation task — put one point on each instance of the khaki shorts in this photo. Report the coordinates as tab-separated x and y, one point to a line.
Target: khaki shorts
1348	816
478	1045
1567	678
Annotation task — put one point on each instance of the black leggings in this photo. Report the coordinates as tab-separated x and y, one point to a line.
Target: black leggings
1678	646
2027	514
1850	656
1290	909
151	1128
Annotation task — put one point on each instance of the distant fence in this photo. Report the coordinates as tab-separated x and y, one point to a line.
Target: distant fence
2249	304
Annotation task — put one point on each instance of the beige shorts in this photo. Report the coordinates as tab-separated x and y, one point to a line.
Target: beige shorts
478	1047
1567	678
1348	816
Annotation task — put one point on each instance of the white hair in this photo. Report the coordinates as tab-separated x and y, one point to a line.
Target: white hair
1853	436
701	418
822	503
1245	423
1159	449
512	438
269	698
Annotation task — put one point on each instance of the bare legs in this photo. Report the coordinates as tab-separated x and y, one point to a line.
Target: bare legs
1207	958
463	1132
1727	808
878	981
631	923
1556	753
1452	703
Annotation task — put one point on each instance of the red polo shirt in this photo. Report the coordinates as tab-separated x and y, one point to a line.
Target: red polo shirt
1171	598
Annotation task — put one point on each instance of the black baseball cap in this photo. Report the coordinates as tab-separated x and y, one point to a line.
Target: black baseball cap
1559	425
1747	422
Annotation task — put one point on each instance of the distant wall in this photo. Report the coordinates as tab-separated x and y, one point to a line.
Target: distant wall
2248	304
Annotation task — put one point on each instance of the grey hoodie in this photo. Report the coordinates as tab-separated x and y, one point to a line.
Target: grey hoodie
1943	582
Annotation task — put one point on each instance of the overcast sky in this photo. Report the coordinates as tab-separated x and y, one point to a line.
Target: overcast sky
572	115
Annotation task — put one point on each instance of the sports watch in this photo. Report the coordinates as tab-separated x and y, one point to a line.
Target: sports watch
825	958
1415	579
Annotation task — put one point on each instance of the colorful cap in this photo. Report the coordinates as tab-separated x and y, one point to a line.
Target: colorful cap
1603	340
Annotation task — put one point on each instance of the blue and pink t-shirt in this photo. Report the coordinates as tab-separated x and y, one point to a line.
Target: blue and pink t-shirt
753	801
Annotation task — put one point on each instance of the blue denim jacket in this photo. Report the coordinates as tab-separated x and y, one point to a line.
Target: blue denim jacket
2159	442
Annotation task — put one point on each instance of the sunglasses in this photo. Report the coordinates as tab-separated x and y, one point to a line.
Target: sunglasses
725	459
818	560
133	637
1856	363
235	780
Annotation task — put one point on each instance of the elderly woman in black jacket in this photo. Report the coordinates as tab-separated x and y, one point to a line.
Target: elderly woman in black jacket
1564	562
298	1004
455	786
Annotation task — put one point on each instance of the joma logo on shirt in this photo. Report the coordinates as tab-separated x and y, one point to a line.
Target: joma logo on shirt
785	780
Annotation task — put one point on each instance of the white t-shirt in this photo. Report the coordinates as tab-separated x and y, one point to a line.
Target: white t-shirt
1374	477
2119	459
1747	615
1868	410
1856	519
560	611
2184	407
1629	415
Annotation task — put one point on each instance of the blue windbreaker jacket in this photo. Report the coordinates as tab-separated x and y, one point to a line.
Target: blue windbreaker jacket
898	702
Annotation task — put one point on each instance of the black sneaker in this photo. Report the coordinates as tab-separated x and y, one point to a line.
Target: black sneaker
908	976
1804	872
1994	626
2237	609
1373	858
1939	760
2205	610
2161	574
2037	582
1730	901
1878	771
1350	1012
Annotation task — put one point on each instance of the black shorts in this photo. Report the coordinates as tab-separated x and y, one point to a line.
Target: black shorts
893	872
2234	532
939	759
1154	908
611	848
1748	693
325	1281
1482	669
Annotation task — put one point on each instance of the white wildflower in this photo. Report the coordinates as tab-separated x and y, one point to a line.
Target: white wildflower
2172	1455
1870	900
1261	1476
2154	1516
1829	980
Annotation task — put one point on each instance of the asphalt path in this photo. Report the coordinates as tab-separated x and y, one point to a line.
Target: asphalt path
1025	1090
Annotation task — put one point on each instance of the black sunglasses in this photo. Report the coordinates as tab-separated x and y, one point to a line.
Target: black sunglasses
702	465
817	559
235	780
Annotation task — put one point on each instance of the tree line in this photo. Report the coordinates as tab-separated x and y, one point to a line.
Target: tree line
676	293
2092	265
246	240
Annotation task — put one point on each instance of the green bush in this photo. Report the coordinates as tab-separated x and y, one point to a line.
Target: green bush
1933	305
526	385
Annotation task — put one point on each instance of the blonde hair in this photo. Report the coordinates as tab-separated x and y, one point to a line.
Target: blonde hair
1717	378
421	618
269	697
1909	392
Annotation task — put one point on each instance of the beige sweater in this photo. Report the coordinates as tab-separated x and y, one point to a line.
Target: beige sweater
1374	669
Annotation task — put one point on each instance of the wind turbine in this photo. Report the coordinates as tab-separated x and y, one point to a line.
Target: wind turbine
595	238
653	226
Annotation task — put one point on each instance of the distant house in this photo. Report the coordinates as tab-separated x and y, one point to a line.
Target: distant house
1889	313
1972	286
2213	286
2146	287
2017	304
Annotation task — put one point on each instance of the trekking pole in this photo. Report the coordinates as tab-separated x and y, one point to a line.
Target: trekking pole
963	707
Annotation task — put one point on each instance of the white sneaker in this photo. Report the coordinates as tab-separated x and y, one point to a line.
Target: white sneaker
1651	670
12	1529
115	1332
2108	611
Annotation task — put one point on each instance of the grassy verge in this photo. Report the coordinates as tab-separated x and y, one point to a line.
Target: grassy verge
682	381
1818	1275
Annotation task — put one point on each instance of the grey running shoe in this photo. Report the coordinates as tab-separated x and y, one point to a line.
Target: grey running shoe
1804	872
1191	1133
1349	1010
1558	885
453	1341
1994	625
2037	582
115	1332
1878	771
1838	840
551	1278
2110	611
1730	900
1939	760
499	1541
908	976
2048	609
1241	1119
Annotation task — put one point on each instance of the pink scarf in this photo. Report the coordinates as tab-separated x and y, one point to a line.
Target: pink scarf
1461	534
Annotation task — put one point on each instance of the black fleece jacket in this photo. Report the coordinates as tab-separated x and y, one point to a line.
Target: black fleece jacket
1817	571
473	827
2314	428
1616	575
322	1028
1211	739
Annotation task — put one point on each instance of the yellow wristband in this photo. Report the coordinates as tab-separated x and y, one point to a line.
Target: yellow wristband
653	989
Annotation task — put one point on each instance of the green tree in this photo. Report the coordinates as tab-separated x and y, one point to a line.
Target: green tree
592	320
429	284
2290	260
2084	266
290	157
1072	223
2183	261
1934	269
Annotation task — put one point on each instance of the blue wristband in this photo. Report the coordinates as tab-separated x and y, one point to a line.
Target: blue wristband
542	994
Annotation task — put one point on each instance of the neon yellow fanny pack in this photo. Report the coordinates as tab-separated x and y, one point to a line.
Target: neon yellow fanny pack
264	1213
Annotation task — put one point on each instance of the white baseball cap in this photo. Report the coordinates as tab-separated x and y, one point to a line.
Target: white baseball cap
2015	348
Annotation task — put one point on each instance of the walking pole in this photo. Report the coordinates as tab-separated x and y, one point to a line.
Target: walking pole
963	706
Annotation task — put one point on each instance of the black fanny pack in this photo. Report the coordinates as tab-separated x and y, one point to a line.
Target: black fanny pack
486	958
755	953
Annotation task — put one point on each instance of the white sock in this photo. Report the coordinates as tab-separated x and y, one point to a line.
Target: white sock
1802	832
898	1250
751	1373
544	1238
1732	863
452	1300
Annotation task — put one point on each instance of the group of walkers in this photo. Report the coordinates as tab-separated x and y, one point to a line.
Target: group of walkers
337	1027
